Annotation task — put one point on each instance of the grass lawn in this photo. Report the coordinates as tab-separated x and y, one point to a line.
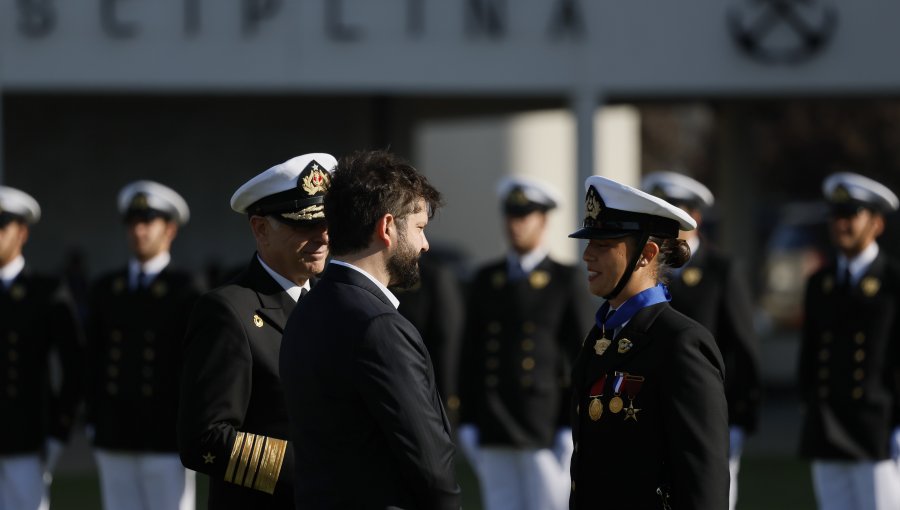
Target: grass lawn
767	483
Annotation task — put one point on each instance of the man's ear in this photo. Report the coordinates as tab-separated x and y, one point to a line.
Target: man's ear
384	229
260	227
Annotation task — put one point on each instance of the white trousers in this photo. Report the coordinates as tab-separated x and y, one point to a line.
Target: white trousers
22	484
514	479
145	481
734	467
856	485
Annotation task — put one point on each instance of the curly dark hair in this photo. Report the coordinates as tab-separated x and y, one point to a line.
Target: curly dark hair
367	185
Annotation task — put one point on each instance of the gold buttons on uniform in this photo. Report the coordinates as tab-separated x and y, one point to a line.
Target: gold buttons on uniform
528	345
857	393
859	355
859	338
528	363
859	374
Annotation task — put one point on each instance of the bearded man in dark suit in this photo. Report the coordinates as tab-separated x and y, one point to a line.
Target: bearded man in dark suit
367	423
232	421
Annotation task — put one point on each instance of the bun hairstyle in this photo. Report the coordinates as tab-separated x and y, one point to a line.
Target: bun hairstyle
673	253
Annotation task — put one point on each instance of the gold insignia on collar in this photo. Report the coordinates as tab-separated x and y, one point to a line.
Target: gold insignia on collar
539	279
257	321
118	285
17	292
159	289
691	276
317	181
828	284
601	345
498	280
870	286
625	345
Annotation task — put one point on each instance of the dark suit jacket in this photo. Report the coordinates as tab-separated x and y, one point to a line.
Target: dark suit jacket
679	439
367	424
134	359
850	364
232	424
520	341
712	291
37	316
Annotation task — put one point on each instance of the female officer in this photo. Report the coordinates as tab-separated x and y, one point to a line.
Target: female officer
650	422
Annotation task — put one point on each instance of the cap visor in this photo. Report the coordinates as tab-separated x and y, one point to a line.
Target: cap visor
597	233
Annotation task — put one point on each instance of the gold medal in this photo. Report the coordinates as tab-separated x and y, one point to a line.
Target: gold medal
600	345
595	409
615	404
631	411
624	345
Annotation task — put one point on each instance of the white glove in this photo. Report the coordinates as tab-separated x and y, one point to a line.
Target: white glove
563	447
52	450
468	441
735	441
895	444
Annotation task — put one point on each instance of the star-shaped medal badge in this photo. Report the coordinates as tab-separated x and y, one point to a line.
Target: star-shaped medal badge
631	411
209	458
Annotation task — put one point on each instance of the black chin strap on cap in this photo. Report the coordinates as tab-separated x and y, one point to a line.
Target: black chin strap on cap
629	269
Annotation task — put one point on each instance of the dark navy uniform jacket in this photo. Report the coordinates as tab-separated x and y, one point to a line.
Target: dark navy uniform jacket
674	439
367	424
37	316
850	364
135	354
520	341
711	290
232	424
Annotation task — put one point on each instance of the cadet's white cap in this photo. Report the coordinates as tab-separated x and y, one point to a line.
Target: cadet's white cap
149	199
613	210
292	191
845	190
677	188
16	204
521	195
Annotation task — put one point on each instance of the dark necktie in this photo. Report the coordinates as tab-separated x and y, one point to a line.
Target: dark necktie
846	279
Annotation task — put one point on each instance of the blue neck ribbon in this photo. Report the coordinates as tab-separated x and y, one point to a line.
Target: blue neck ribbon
648	297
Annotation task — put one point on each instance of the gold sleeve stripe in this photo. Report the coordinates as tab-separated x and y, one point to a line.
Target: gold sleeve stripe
245	458
254	461
270	466
232	461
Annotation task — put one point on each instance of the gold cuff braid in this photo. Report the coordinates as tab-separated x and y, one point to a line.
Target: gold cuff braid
256	461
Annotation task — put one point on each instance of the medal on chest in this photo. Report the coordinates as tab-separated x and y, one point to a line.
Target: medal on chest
595	408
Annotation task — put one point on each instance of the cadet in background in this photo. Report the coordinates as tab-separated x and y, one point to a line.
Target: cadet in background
37	317
849	369
137	317
525	317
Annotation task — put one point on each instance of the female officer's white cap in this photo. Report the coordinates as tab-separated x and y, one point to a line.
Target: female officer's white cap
19	204
614	210
677	188
292	191
151	199
852	190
